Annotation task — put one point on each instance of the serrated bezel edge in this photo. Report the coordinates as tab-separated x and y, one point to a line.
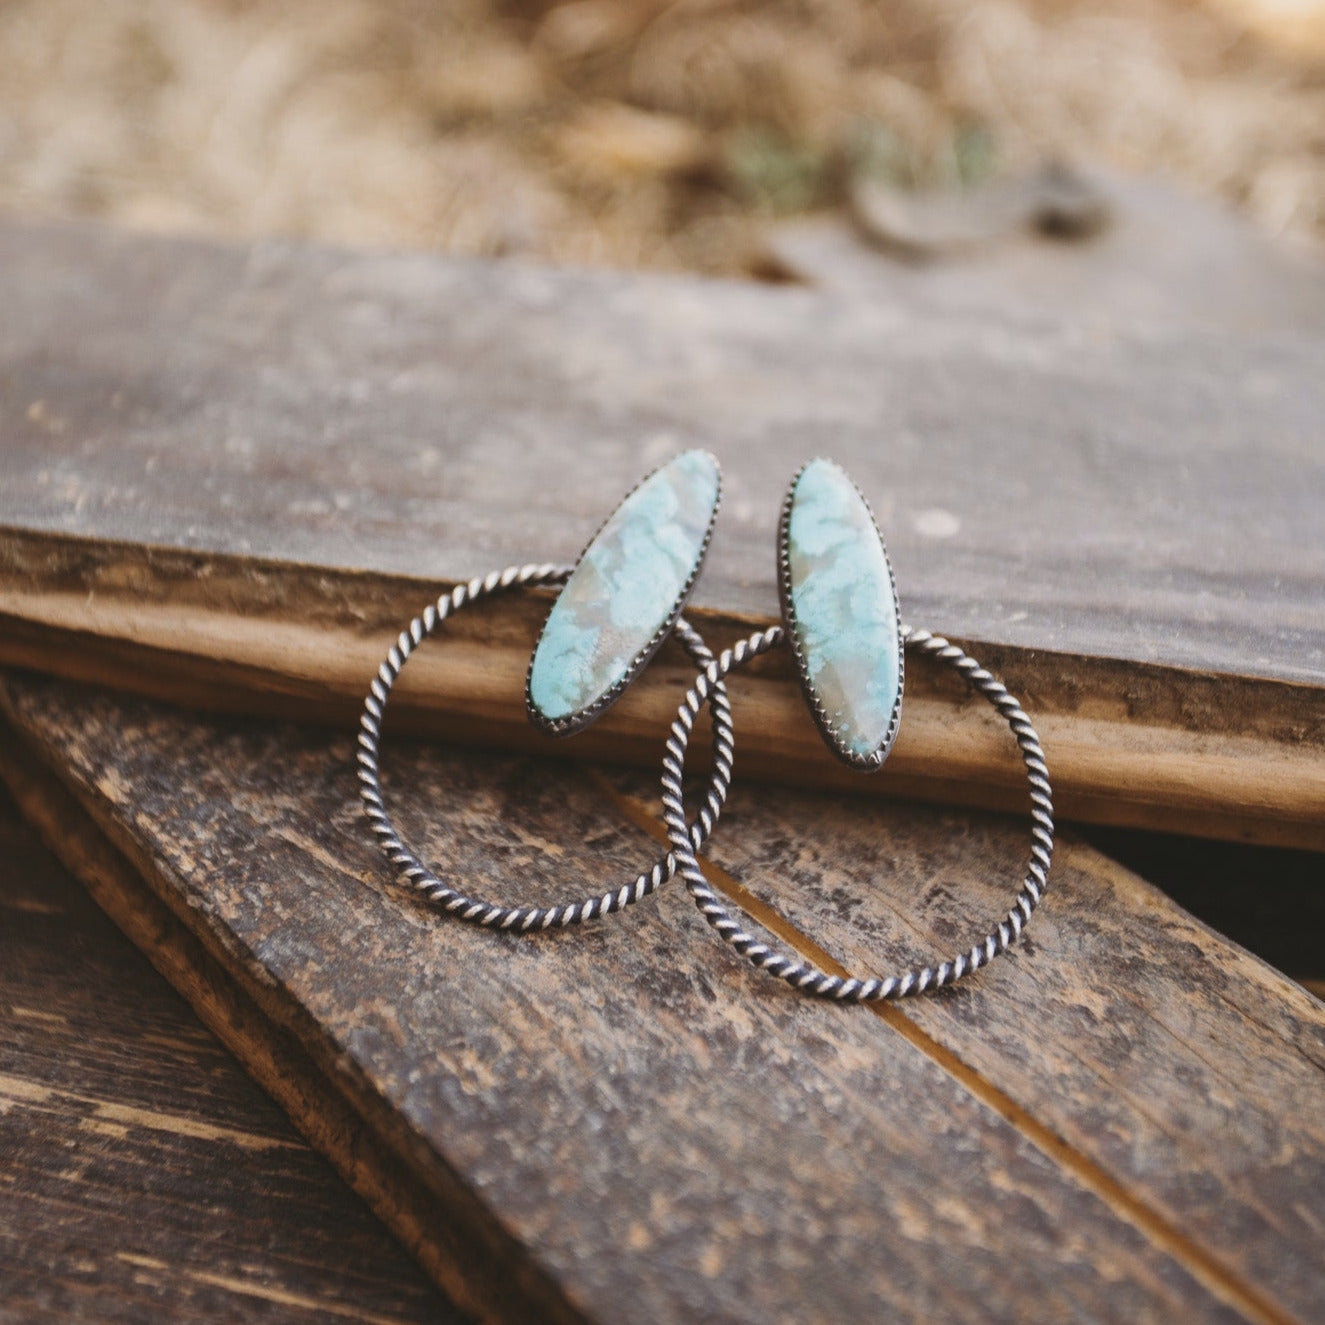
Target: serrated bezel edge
578	721
872	762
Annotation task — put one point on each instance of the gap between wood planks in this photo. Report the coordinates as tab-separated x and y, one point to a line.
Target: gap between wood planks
1204	1266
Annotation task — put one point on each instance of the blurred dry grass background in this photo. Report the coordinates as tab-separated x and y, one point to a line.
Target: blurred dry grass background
658	133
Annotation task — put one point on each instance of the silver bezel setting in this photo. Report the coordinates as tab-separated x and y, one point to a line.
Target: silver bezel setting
585	717
872	762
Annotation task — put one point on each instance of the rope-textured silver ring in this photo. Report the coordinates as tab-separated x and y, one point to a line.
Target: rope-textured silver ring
492	914
803	975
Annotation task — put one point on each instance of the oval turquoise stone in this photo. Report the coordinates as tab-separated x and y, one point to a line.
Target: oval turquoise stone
841	610
624	595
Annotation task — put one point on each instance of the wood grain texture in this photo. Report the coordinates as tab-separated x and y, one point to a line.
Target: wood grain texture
1129	743
230	475
1126	494
1148	1050
144	1176
659	1132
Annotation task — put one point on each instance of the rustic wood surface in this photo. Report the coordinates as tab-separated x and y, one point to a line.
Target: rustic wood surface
1149	1041
231	474
1119	1121
1126	493
1219	756
142	1174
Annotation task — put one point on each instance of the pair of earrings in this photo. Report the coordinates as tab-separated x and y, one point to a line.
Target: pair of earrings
618	604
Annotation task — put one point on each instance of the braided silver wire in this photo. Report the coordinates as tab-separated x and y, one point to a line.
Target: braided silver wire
804	975
491	914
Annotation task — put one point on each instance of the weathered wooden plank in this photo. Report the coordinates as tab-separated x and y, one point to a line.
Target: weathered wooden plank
1221	756
1125	522
1168	1056
662	1133
1131	494
144	1175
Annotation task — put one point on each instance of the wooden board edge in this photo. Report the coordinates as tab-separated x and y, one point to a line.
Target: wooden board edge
1260	789
40	568
442	1224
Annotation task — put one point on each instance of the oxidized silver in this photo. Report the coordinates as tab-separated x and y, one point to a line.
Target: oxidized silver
804	975
491	914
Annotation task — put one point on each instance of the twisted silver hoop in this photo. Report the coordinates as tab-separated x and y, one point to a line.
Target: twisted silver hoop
491	914
804	975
